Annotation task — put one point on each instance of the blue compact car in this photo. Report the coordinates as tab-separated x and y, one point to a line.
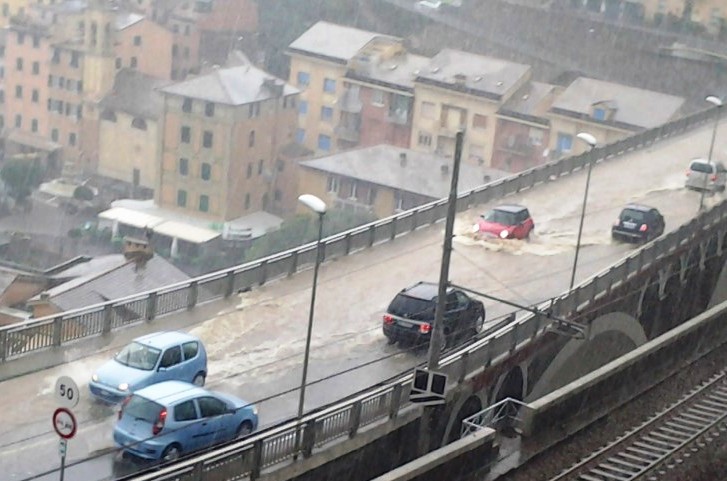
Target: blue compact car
150	359
170	419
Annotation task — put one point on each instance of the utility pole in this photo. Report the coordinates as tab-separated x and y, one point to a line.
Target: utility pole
436	340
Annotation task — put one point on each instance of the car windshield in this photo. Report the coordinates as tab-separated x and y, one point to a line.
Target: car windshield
409	306
701	167
501	217
631	215
138	356
142	408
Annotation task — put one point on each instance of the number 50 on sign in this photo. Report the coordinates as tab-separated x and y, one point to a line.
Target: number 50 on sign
66	392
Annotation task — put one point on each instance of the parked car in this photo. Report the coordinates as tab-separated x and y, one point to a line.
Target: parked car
705	175
638	223
508	221
410	316
150	359
169	419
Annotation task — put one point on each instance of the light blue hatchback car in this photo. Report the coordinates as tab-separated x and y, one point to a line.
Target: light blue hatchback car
150	359
170	419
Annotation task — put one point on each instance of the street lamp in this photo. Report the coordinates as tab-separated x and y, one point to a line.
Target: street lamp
591	141
319	207
717	102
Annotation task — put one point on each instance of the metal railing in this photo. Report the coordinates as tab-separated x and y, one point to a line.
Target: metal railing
343	419
29	337
502	414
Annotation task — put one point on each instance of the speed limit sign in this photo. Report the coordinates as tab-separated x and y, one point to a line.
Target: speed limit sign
66	392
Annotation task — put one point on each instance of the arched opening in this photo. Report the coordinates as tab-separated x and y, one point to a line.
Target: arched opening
471	406
511	387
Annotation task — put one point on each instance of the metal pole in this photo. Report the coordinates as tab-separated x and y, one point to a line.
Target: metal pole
709	158
63	466
580	226
301	400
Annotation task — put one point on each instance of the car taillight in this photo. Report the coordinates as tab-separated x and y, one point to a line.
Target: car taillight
388	319
159	425
425	328
123	405
644	228
713	178
687	173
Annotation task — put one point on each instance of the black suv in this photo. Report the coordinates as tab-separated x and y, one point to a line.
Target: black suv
410	315
638	223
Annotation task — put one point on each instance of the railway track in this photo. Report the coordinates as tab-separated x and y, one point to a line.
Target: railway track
640	453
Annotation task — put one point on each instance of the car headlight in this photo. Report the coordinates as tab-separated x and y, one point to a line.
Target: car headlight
254	410
94	378
124	386
475	228
504	233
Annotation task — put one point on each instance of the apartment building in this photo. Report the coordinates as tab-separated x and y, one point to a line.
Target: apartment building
143	45
319	60
221	137
460	90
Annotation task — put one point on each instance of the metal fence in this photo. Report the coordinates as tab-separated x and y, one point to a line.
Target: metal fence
501	415
29	337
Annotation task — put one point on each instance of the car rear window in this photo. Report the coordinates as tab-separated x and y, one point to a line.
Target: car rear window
142	408
404	305
630	215
701	167
501	217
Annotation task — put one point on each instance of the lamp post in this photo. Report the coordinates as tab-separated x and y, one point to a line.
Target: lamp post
319	207
717	102
591	141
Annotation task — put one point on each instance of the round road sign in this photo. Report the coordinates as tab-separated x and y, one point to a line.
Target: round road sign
66	392
64	423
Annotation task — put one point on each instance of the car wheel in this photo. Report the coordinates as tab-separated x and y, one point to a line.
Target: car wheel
479	323
172	453
244	429
390	340
199	379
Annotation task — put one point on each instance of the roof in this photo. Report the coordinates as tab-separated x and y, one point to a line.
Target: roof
136	94
163	339
635	108
93	265
170	392
472	74
510	207
126	19
115	283
131	217
530	103
421	173
32	140
397	72
186	232
333	42
232	86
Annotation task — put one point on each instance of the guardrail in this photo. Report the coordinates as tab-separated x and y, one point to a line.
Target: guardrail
501	415
32	336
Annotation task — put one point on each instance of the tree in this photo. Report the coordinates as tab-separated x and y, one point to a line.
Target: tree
21	177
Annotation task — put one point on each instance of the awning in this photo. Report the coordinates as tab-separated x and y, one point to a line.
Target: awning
131	217
31	140
185	232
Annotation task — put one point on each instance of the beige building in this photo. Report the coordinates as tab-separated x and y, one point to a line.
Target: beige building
462	91
606	110
319	60
129	131
221	137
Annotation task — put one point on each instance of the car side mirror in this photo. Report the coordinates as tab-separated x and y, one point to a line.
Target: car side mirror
162	369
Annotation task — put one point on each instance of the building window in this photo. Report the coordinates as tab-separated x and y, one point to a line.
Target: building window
185	134
133	62
278	195
303	107
206	172
204	203
332	184
182	198
260	165
354	189
18	92
300	136
18	121
329	85
254	110
209	109
599	113
249	170
72	138
137	40
479	121
36	41
19	64
34	125
36	68
247	201
56	59
303	78
324	142
377	98
74	59
6	10
326	114
251	139
565	142
21	38
34	96
371	197
207	139
54	135
183	166
428	109
118	63
187	105
138	123
424	139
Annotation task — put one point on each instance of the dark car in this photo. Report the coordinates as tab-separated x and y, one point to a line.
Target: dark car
410	315
507	221
638	223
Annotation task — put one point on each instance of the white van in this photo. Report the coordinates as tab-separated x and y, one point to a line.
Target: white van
705	175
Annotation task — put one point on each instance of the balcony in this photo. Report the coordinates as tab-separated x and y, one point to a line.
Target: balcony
347	132
521	147
350	101
398	116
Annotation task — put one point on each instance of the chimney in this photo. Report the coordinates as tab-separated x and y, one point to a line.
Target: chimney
402	159
138	250
460	79
445	169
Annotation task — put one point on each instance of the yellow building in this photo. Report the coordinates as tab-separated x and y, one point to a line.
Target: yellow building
384	179
462	91
319	60
709	13
608	111
129	133
10	8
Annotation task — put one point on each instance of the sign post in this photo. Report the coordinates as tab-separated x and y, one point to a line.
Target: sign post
64	422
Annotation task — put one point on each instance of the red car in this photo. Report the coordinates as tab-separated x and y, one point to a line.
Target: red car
508	221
